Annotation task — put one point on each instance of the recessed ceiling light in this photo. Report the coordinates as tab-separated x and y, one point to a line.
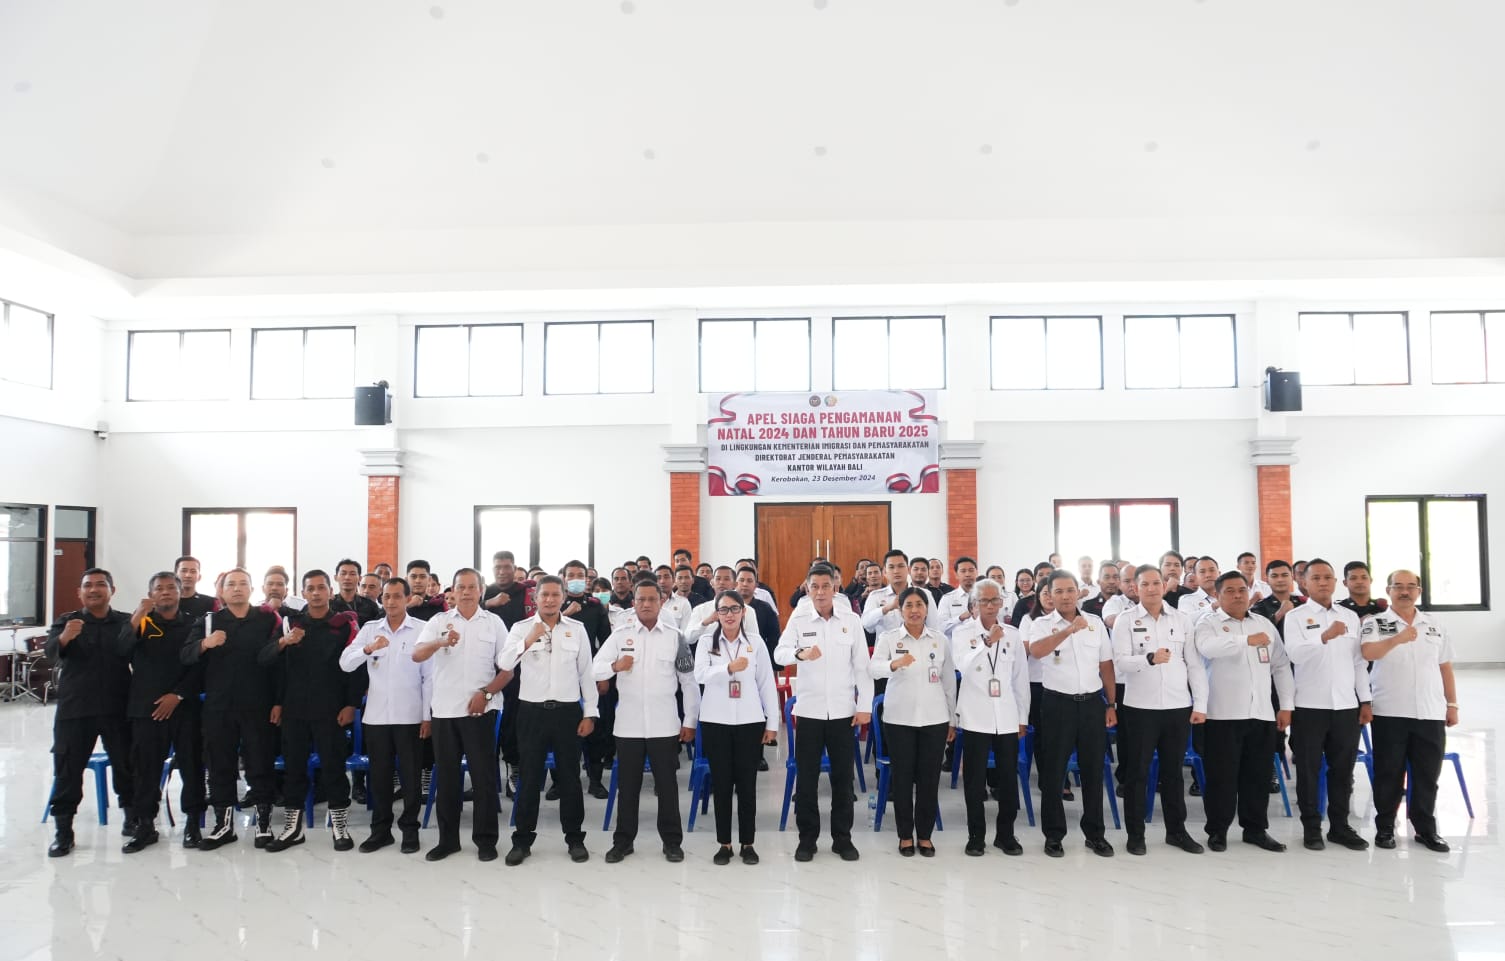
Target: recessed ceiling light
1314	145
820	151
649	155
1011	3
436	12
986	148
327	163
820	4
629	7
482	158
1151	146
23	86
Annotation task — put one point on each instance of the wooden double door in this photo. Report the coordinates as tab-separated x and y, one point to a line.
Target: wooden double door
791	535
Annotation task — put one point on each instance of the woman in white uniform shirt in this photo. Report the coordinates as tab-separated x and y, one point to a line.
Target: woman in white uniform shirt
919	707
739	713
992	706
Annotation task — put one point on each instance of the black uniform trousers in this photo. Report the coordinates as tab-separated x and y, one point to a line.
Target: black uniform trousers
975	748
914	753
1141	733
475	738
1316	734
833	737
601	744
182	734
72	742
1239	761
506	744
541	728
299	737
386	744
1068	724
1036	695
663	758
733	751
1400	742
229	738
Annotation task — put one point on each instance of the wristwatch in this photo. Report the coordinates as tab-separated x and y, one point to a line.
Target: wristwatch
486	694
1113	707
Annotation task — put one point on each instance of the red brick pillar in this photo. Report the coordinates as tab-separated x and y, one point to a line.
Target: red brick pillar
1272	458
381	521
685	464
960	460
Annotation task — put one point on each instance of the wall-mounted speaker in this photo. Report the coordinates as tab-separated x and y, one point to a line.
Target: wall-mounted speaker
373	405
1282	389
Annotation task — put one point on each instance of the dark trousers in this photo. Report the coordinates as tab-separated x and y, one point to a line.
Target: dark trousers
300	737
540	730
231	737
601	744
506	744
475	738
1036	695
1067	725
975	748
385	745
1398	742
915	759
151	741
72	742
1318	734
833	737
1239	761
663	758
733	751
1140	734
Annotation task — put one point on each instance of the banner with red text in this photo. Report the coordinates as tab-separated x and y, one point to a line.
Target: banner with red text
845	442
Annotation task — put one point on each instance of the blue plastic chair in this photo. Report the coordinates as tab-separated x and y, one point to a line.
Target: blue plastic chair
359	760
428	807
1072	768
885	771
611	790
700	782
1197	771
97	763
1021	768
548	765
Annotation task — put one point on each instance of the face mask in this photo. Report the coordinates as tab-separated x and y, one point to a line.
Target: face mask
575	587
603	596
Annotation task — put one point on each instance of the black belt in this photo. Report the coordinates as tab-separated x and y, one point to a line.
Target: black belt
1076	697
551	705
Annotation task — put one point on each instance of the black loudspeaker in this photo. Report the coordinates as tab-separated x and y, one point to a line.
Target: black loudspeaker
1282	389
373	406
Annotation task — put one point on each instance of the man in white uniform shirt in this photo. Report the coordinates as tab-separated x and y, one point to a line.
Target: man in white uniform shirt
1164	682
464	644
556	707
1088	589
1332	703
644	655
396	718
881	612
835	694
1415	701
1248	565
1204	598
1127	597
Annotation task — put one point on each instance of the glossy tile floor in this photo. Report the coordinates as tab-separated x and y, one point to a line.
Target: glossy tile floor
311	902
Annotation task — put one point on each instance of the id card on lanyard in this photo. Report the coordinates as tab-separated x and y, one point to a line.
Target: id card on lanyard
995	686
734	686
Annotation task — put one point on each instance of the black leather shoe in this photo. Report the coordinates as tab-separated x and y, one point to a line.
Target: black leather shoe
441	852
1185	842
762	764
1066	795
130	827
907	851
191	832
722	856
1055	849
517	855
1136	846
1101	848
597	790
975	848
673	853
1262	839
486	852
1217	842
1385	840
804	852
749	856
140	842
927	850
1314	842
1348	838
1195	790
409	843
552	794
62	841
376	842
578	853
1009	845
846	850
618	852
1432	842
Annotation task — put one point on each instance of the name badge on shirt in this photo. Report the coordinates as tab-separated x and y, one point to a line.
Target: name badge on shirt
1264	655
995	687
734	689
935	674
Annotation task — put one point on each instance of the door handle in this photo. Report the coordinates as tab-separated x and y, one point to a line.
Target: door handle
827	555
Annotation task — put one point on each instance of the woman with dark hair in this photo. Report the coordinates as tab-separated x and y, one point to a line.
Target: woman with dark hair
919	710
739	713
1024	583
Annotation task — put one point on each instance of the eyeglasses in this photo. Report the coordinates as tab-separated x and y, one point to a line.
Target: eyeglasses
991	600
728	610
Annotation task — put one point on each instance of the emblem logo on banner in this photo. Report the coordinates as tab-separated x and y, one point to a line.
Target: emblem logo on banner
849	442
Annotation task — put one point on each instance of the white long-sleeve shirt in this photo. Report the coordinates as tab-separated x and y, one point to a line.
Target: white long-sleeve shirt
1073	667
757	696
1330	675
977	708
873	618
464	669
1238	680
1195	605
645	692
1407	682
400	689
921	693
694	626
1181	682
556	668
836	684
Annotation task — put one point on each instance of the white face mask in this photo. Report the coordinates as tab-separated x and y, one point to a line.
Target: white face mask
575	587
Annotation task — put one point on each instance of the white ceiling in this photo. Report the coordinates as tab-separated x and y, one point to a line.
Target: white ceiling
169	127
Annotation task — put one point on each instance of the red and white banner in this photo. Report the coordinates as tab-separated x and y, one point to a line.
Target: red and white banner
847	442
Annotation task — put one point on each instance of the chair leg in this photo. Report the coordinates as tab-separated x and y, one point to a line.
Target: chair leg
428	806
101	794
1280	778
1112	797
1462	785
1029	806
883	776
47	808
611	797
788	794
1149	791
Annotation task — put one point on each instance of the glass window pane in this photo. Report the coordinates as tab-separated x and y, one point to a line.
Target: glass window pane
726	356
203	365
1453	553
916	353
17	520
1151	352
572	360
782	350
269	541
440	363
1207	352
1458	348
860	353
212	538
506	529
627	358
153	372
1083	529
28	347
329	363
1494	338
496	360
19	563
1018	346
1074	353
564	534
276	364
1326	349
1380	353
68	522
1394	537
1144	532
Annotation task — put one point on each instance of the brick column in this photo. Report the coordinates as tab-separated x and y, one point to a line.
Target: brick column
1272	458
685	464
960	460
383	470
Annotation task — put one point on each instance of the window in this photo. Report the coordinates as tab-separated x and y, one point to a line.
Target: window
26	345
255	538
302	363
23	542
1136	530
1047	353
739	355
1355	349
474	360
1441	538
1194	350
882	353
178	365
611	357
1468	347
546	537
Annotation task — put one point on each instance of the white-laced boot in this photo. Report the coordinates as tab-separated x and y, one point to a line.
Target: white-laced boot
292	830
339	825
